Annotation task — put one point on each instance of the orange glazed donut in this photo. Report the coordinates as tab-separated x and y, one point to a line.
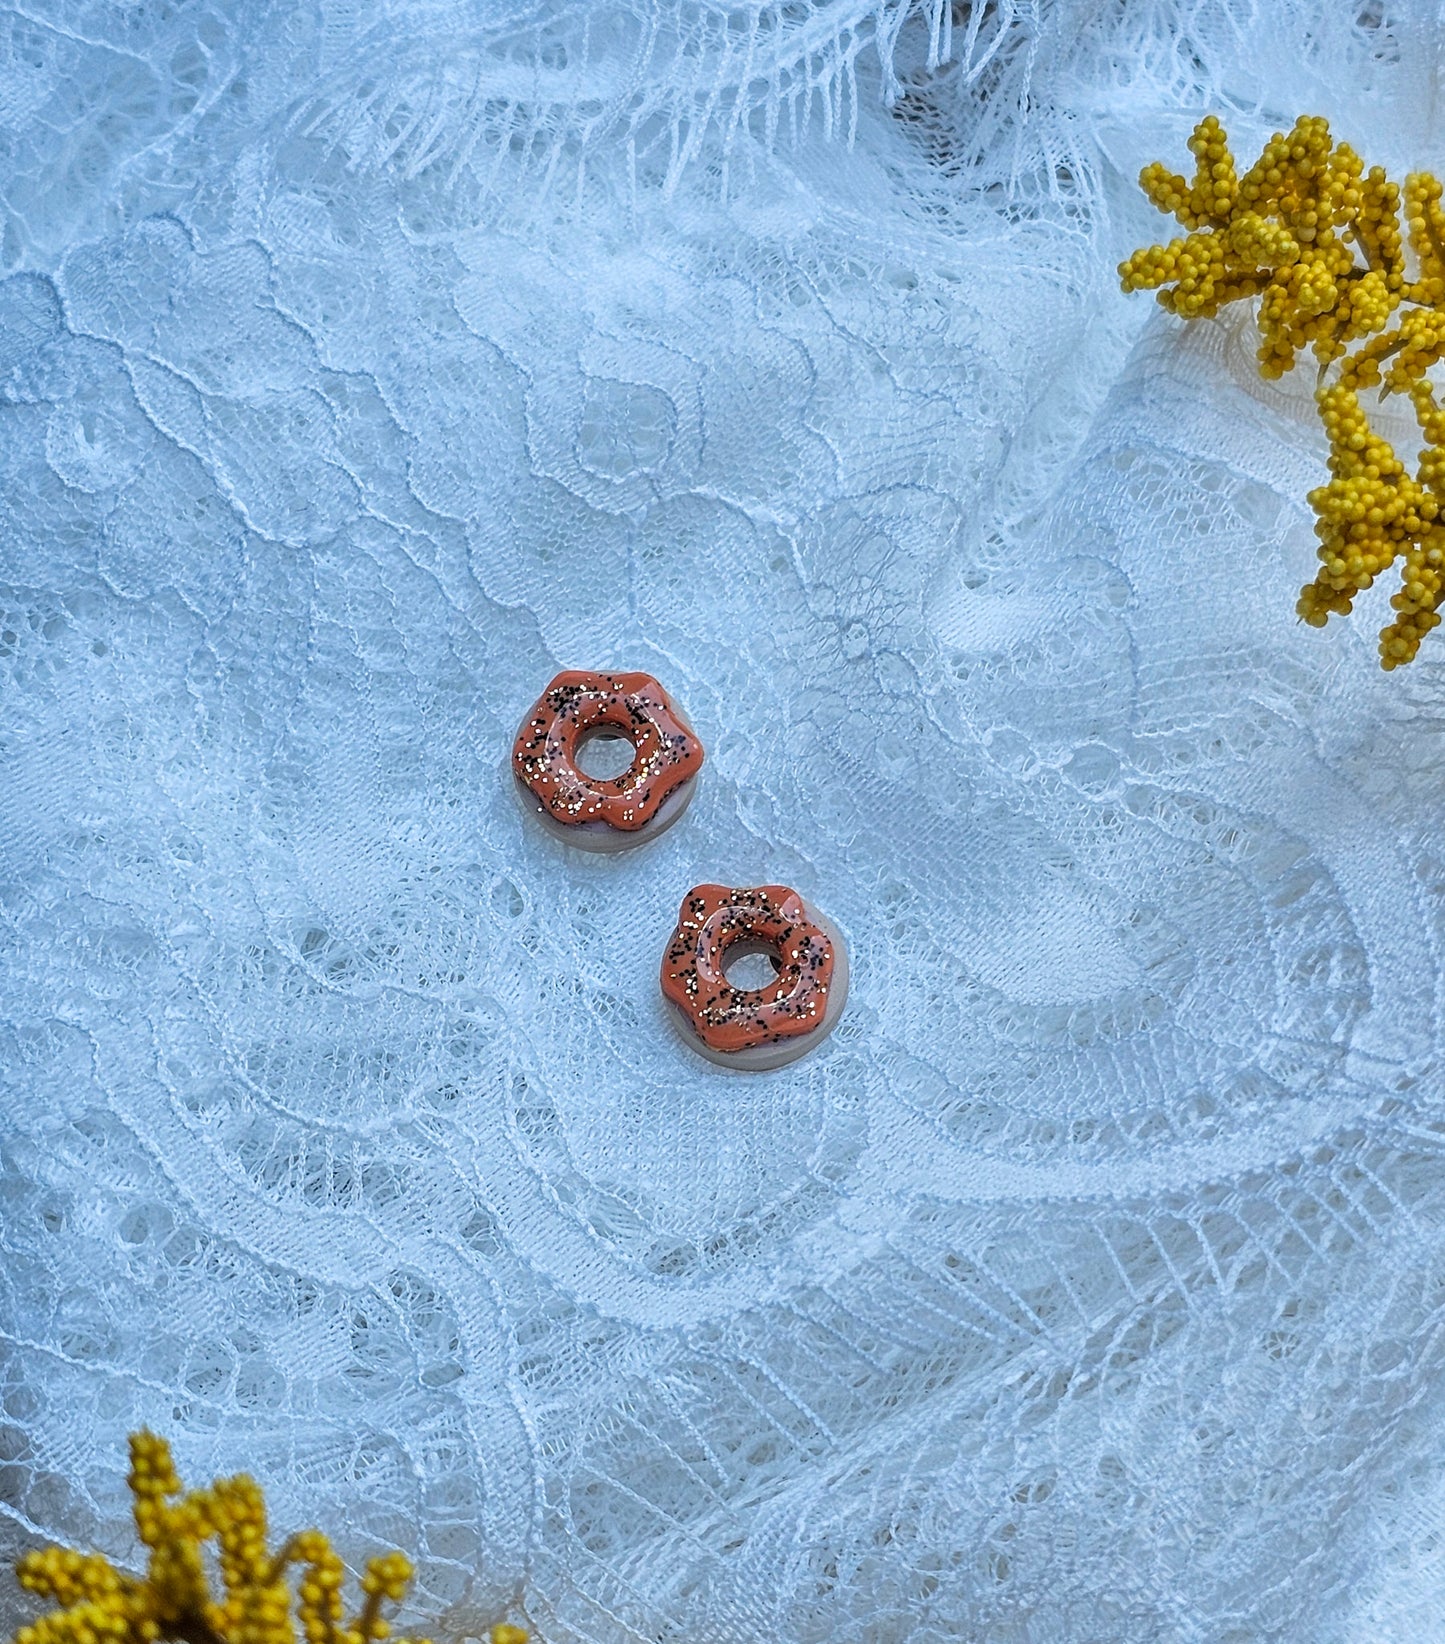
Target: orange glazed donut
754	1028
606	813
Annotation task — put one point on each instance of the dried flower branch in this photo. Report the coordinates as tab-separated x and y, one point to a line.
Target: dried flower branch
1319	241
173	1600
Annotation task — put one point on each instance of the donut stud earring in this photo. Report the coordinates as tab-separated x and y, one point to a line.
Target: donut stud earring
754	1028
612	813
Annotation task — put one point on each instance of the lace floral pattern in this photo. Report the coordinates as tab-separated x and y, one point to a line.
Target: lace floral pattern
360	366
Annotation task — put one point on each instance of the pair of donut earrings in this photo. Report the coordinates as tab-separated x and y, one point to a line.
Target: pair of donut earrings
717	925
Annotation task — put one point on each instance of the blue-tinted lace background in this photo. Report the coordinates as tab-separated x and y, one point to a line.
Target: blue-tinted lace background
361	365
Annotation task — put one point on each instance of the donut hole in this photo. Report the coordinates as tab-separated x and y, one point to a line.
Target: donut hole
751	966
604	753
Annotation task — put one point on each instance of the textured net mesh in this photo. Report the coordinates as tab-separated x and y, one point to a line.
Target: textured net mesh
362	364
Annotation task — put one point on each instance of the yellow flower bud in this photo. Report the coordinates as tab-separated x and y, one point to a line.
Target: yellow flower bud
1322	243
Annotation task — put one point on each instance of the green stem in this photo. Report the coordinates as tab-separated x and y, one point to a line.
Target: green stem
278	1564
370	1615
193	1630
1372	255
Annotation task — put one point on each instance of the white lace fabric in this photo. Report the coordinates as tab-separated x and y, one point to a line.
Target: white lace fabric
363	365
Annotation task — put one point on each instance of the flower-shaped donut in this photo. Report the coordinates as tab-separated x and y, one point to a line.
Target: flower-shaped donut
606	813
754	1027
